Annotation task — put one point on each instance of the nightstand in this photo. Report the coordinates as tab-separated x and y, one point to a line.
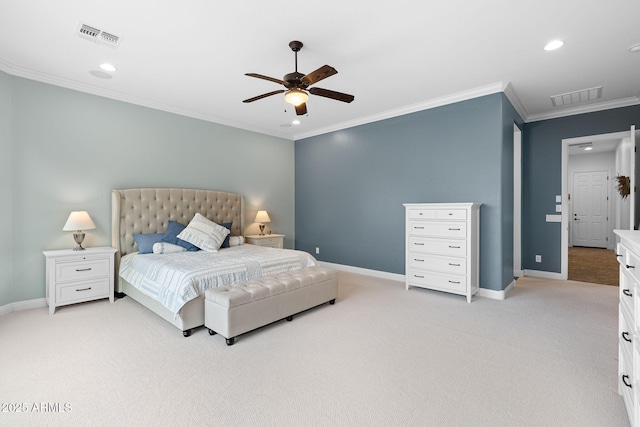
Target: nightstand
269	240
79	276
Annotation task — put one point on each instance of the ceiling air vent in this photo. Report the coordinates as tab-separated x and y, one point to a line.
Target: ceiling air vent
98	36
577	96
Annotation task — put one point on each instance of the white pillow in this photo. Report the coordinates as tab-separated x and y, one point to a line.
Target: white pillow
203	233
167	248
236	240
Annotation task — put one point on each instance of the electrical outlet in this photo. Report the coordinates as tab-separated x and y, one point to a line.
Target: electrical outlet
538	258
317	250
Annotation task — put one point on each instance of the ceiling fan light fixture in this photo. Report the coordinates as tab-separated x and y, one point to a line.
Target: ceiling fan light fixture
296	97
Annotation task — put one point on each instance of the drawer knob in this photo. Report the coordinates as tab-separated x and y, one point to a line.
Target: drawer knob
630	266
625	336
83	269
83	289
627	292
625	378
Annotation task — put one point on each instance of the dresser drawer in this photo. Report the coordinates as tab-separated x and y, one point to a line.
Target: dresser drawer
438	263
438	246
632	265
444	282
626	384
438	229
457	214
87	269
421	214
87	290
627	335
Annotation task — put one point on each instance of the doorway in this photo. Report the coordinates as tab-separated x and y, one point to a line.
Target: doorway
616	147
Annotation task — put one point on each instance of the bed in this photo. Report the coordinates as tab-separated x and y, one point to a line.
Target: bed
149	210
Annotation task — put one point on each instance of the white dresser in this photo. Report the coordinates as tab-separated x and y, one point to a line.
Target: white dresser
443	246
628	253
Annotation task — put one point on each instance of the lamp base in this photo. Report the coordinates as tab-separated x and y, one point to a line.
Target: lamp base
79	238
261	229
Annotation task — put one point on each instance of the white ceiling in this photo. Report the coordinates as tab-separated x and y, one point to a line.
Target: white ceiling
190	56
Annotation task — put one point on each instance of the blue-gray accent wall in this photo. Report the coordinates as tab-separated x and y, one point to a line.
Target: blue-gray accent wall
542	177
351	184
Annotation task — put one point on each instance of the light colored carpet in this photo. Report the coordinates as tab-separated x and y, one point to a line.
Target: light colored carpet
381	356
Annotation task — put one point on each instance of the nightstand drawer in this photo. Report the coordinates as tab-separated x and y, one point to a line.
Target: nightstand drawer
78	292
87	269
271	242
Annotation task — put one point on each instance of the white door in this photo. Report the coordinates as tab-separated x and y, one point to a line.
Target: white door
590	209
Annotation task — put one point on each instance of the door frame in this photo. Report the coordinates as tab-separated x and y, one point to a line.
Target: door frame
564	228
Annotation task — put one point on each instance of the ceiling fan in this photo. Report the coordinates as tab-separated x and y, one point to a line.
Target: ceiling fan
297	85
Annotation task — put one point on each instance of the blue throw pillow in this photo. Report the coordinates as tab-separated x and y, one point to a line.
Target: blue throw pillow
226	225
145	241
171	236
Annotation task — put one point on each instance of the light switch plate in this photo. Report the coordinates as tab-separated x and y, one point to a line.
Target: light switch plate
558	208
554	218
558	199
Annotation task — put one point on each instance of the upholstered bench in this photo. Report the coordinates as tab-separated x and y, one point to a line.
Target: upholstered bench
233	310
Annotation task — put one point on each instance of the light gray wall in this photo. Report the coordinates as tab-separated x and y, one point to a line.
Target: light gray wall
6	241
70	149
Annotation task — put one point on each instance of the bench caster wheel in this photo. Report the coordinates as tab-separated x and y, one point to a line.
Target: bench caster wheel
186	333
333	301
212	332
289	318
230	341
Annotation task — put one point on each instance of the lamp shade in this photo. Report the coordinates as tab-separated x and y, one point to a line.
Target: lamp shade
262	216
296	97
79	220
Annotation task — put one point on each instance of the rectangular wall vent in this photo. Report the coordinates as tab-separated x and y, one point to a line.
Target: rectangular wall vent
98	36
578	96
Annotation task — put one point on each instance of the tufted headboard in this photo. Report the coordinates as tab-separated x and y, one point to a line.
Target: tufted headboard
149	210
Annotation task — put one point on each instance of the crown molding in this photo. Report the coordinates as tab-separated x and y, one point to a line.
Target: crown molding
426	105
512	96
29	74
591	108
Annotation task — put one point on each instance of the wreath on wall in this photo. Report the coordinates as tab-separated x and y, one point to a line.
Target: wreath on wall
624	185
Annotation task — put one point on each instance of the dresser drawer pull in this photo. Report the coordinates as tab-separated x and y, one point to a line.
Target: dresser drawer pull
419	260
84	289
454	282
454	229
624	380
454	247
83	269
627	292
418	277
618	255
630	266
419	228
419	244
625	336
454	265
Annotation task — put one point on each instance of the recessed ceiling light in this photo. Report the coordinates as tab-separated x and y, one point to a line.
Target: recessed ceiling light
295	122
588	148
553	45
108	67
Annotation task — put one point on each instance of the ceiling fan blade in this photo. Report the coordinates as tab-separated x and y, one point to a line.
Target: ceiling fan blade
301	109
271	79
264	95
319	74
338	96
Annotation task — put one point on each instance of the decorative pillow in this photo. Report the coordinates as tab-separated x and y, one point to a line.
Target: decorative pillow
167	248
236	240
203	233
226	225
171	236
145	241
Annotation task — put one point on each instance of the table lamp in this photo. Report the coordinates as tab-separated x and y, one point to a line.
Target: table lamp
78	221
262	217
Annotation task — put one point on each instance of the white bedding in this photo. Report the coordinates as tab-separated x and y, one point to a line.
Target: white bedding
177	278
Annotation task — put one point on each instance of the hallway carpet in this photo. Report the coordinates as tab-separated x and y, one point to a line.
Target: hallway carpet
593	265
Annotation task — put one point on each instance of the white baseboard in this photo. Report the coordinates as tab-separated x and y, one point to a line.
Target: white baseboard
364	271
487	293
543	274
23	305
